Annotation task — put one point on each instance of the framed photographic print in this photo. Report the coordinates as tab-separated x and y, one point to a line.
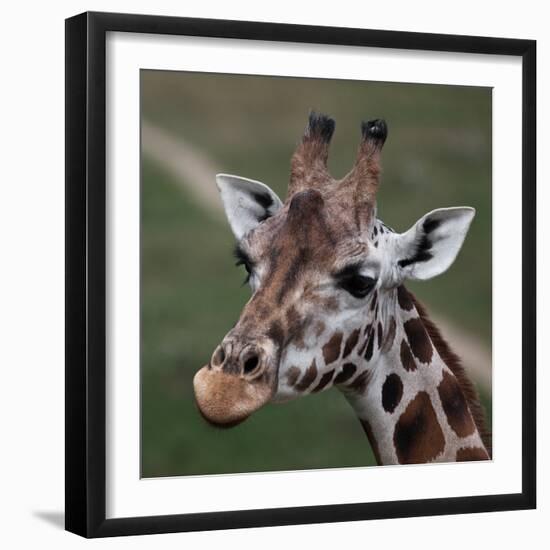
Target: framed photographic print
379	359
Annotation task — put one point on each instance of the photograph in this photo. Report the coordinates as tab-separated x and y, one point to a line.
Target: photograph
315	273
273	275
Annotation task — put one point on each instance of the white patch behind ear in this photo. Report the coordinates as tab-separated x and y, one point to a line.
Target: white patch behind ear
431	245
247	202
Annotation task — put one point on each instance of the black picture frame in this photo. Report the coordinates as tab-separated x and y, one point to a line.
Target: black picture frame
86	274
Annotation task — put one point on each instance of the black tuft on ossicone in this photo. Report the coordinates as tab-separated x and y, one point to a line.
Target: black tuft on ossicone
320	125
375	130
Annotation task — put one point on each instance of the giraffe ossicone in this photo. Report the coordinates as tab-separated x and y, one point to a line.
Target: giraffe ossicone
329	308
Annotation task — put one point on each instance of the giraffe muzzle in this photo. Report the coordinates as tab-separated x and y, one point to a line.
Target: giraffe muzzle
236	383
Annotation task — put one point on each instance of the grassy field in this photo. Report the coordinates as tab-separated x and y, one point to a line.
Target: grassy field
438	154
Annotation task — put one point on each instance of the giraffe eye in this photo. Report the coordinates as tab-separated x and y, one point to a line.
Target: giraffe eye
358	285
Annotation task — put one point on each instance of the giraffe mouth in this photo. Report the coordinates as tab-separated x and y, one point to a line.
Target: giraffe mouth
225	400
221	425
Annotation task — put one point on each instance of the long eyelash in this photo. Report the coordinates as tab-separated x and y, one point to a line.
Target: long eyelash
240	255
242	259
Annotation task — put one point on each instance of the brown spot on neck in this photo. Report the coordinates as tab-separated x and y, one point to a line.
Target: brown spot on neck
418	437
351	342
361	350
404	298
380	334
331	350
455	406
348	370
325	380
392	392
292	375
407	359
370	346
308	378
419	340
390	336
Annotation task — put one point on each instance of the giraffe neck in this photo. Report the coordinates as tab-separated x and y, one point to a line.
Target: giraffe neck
410	392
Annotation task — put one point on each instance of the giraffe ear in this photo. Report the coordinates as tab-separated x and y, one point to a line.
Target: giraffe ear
431	245
247	202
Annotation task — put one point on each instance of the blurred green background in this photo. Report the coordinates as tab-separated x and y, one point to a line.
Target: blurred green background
438	153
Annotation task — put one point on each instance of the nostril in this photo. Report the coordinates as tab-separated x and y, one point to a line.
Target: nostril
250	364
218	357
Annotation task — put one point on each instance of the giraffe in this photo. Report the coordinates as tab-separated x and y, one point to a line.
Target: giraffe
329	308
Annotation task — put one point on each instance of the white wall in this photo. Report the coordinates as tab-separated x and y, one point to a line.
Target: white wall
32	256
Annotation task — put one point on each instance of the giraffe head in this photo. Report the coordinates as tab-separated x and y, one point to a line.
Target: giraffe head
316	263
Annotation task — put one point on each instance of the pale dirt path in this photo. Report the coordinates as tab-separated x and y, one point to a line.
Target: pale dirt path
474	353
195	172
192	169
